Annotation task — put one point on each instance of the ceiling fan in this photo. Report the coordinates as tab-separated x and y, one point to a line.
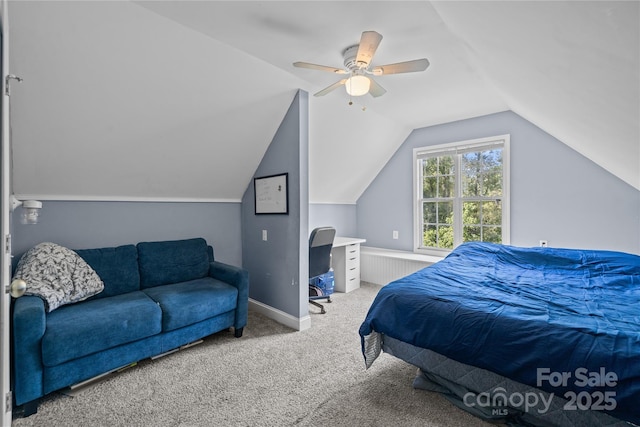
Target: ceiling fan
357	62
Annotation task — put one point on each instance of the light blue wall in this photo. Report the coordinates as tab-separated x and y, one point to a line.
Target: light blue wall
278	268
81	225
341	216
557	194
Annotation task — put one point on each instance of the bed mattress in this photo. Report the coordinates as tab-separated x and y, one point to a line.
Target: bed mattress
563	321
491	396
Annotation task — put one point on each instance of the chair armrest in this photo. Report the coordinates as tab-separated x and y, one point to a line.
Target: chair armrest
29	324
238	277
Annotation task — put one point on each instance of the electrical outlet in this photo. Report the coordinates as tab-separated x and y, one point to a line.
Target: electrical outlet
264	235
395	234
543	243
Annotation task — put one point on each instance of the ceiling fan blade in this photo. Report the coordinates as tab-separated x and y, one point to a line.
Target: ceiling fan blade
401	67
369	42
375	89
330	88
319	67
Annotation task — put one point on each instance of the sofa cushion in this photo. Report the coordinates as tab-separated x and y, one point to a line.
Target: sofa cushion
57	275
117	267
81	329
190	302
169	262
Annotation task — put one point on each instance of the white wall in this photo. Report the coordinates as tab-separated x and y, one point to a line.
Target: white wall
118	101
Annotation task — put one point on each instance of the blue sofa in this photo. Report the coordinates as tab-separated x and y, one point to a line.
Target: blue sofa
158	296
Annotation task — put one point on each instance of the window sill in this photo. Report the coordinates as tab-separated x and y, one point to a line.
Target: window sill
392	253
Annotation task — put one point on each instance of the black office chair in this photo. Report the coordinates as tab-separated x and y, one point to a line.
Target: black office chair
320	244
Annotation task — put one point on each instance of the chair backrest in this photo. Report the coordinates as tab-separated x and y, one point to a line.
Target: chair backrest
320	244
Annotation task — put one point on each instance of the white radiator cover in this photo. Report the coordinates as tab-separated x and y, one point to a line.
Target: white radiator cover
381	266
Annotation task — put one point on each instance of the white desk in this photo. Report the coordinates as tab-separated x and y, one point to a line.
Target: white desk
345	260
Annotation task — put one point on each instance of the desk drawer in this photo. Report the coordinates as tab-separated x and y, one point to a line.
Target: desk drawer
352	283
352	274
353	250
352	256
352	262
352	267
346	265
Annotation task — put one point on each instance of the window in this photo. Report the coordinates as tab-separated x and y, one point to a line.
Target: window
461	194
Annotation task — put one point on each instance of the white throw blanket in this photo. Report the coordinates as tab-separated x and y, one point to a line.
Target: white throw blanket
58	275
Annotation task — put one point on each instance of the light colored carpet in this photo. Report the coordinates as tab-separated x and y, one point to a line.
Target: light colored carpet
272	376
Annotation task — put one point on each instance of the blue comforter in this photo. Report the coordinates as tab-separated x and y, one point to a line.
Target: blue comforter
563	320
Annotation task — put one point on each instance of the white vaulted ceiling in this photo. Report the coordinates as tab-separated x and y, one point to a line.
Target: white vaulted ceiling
180	99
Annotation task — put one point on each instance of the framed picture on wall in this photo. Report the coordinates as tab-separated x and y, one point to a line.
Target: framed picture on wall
271	194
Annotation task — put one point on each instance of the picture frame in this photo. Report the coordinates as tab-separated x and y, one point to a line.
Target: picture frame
271	194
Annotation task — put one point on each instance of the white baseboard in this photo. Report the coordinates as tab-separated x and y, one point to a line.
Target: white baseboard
299	324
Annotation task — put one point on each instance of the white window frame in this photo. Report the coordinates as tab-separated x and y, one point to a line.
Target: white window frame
456	148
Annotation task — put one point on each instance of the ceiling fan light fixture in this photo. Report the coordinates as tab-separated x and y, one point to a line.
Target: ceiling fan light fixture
357	63
357	85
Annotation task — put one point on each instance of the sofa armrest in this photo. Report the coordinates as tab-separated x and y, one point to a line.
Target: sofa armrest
238	277
29	324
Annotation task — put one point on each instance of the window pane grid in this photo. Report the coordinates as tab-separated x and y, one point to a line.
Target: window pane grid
438	191
437	230
482	221
461	196
482	173
438	177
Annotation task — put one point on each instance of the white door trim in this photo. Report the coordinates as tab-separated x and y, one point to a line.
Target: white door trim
6	401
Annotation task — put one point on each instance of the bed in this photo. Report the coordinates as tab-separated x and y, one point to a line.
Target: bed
540	336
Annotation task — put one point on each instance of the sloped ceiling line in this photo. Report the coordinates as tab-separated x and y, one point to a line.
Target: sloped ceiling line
574	76
97	104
